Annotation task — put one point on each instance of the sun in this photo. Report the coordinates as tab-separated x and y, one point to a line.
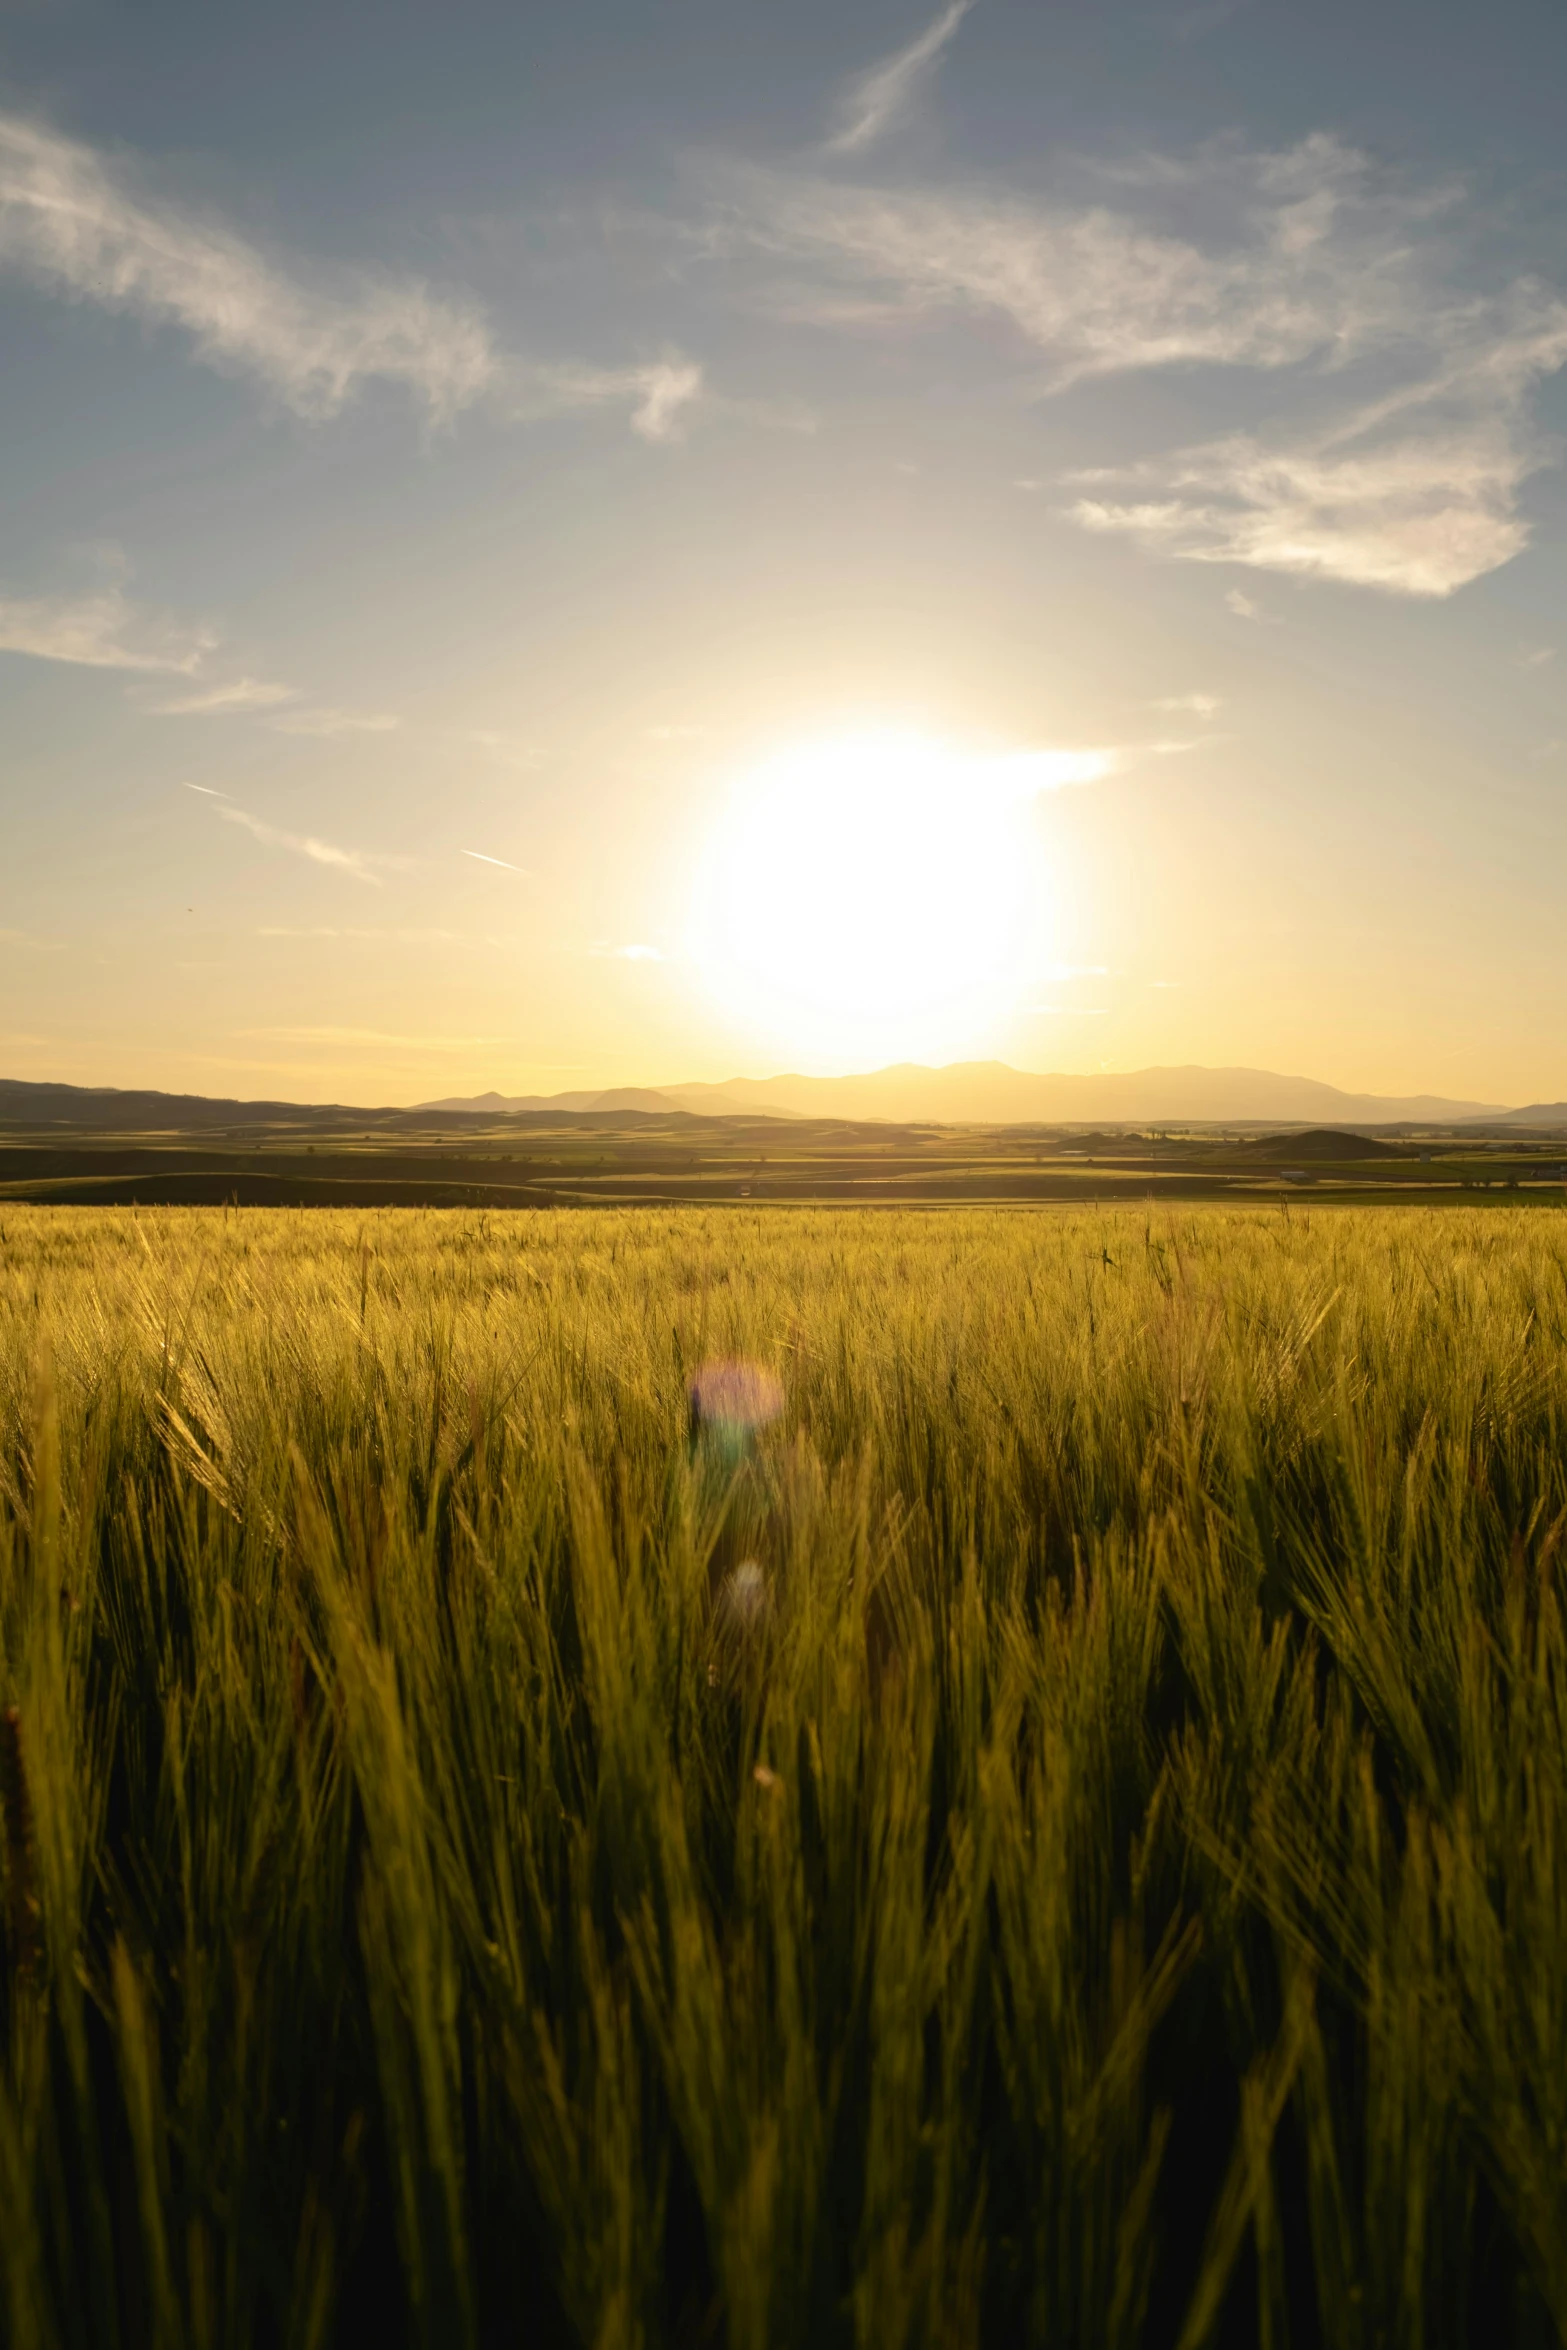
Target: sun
871	892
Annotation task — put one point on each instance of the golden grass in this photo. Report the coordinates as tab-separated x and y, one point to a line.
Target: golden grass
1098	1875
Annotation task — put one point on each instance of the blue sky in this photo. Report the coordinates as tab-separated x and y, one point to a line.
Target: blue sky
448	452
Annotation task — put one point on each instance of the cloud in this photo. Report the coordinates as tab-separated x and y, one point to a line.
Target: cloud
1412	367
502	861
104	631
875	100
361	863
1097	290
72	223
1419	514
1200	705
80	227
331	723
629	954
1056	770
241	694
661	393
1243	606
1535	656
658	391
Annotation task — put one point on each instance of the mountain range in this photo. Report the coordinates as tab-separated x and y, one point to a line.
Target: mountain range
968	1092
991	1093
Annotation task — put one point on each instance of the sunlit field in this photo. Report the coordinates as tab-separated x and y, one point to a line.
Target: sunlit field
1037	1813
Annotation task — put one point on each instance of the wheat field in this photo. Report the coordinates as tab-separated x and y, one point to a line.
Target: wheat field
1036	1812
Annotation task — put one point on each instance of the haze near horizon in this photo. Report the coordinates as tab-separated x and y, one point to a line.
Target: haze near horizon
619	549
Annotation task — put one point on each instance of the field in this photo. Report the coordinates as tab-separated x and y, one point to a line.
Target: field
216	1154
1058	1835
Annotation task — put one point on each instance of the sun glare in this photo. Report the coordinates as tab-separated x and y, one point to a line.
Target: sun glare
874	892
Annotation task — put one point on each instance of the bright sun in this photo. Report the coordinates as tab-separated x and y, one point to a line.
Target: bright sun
874	892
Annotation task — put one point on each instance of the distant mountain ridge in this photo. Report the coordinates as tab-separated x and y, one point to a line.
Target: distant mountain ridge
985	1093
1546	1114
992	1093
114	1106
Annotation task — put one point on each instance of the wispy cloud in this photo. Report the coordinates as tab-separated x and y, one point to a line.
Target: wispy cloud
485	859
1420	514
331	723
72	222
84	227
634	953
235	699
1319	265
102	631
658	392
360	863
1200	705
1244	607
1057	769
1097	290
876	100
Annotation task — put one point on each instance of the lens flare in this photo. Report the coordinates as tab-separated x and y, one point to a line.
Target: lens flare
735	1397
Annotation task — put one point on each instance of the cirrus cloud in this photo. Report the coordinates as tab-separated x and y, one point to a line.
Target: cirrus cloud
234	699
103	631
74	224
658	392
1412	439
83	228
876	100
360	864
328	725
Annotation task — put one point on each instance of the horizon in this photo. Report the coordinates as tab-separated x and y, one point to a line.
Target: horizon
545	553
673	1088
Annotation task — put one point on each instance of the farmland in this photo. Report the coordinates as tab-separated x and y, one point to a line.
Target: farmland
292	1155
1036	1813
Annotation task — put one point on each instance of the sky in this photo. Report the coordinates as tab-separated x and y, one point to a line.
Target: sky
544	548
